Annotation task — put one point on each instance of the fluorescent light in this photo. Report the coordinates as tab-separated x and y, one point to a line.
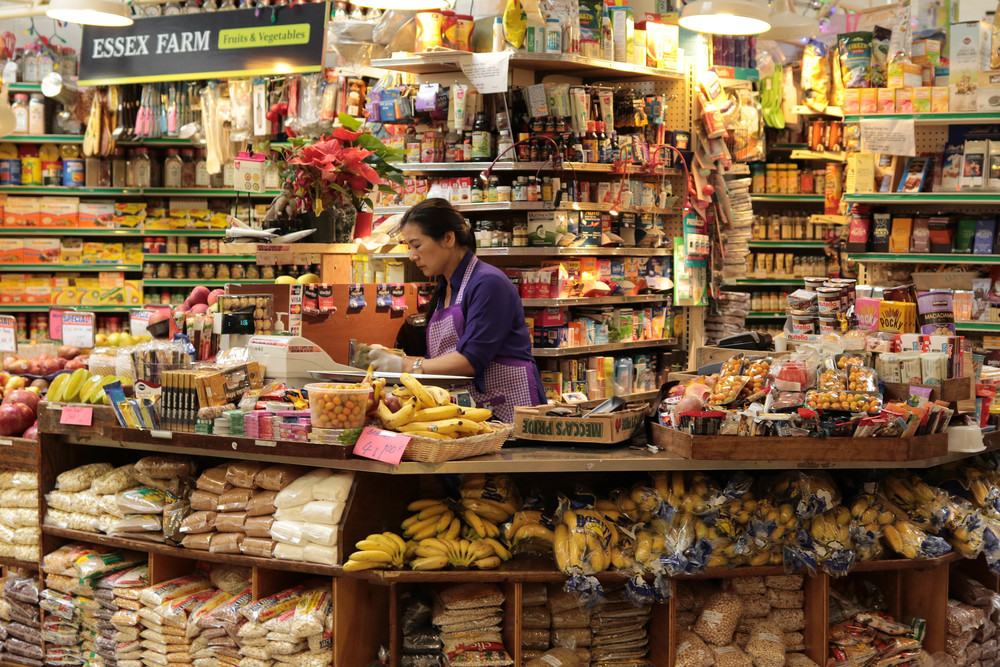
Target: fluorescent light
402	4
112	13
787	25
725	17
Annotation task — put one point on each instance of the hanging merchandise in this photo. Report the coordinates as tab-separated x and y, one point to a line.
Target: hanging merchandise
815	76
747	128
515	23
771	91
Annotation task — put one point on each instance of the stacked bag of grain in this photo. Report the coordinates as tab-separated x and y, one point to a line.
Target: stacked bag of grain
72	505
619	629
19	515
569	622
116	592
163	616
470	619
787	599
71	603
421	642
307	516
536	621
969	594
292	628
233	507
23	645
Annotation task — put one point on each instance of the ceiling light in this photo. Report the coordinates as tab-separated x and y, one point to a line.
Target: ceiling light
112	13
725	17
787	25
402	4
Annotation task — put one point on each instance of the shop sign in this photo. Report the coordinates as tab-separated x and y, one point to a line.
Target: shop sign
213	45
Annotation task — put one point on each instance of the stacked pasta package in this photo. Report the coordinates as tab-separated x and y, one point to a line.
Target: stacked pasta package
307	516
752	621
19	515
114	593
619	630
75	617
166	636
292	628
23	643
972	621
470	620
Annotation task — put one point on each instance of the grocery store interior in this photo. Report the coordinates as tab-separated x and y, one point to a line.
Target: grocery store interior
531	333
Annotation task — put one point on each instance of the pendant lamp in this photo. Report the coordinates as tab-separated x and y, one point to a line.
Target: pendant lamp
788	25
725	17
112	13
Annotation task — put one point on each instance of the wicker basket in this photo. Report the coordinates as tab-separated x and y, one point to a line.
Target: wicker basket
429	450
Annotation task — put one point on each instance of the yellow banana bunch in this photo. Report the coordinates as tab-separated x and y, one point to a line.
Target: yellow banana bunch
639	505
428	412
584	539
435	554
379	551
431	518
831	528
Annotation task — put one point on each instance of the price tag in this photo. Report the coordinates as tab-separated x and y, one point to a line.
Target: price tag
78	329
379	445
8	334
77	416
55	324
138	320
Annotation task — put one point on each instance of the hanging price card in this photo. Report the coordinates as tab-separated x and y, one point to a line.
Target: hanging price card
78	329
138	320
8	334
385	446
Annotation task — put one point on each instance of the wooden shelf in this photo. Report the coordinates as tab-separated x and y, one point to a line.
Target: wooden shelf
598	349
550	63
23	564
584	301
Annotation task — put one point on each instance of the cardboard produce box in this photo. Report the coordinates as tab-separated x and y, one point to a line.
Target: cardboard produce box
606	429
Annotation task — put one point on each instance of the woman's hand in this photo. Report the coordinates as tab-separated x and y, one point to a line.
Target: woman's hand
384	361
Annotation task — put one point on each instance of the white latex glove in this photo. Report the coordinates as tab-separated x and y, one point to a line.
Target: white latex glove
385	361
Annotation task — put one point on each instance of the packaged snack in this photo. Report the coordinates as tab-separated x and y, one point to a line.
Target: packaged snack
727	389
856	58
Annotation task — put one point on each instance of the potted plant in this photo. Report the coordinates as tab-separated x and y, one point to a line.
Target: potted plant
332	177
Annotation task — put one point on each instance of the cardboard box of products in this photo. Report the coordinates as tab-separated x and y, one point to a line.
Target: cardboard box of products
59	211
608	429
22	212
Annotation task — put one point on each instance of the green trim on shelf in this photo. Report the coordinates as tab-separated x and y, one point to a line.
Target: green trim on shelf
924	198
43	139
25	87
597	349
931	118
968	325
760	281
765	315
194	282
786	198
100	231
132	192
196	257
917	257
14	268
786	244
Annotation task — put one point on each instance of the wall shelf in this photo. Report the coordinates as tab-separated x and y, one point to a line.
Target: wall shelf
554	251
760	281
786	198
551	63
786	244
916	258
595	301
931	118
92	268
766	315
918	198
195	257
194	282
969	325
581	350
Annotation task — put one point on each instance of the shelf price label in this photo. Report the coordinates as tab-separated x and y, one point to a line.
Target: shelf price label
379	445
138	320
78	329
8	334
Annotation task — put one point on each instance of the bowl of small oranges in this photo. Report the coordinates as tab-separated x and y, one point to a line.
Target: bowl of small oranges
338	406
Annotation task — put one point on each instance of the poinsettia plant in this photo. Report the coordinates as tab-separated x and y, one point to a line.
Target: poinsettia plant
341	168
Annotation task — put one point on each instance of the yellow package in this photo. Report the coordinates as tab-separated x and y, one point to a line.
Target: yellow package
515	23
815	76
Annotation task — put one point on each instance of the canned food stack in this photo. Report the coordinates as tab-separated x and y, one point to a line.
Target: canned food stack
822	306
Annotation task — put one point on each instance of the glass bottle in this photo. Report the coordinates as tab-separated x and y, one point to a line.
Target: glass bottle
227	5
590	142
143	168
20	109
150	11
119	168
29	65
603	145
173	169
532	188
192	7
187	168
480	138
202	179
172	8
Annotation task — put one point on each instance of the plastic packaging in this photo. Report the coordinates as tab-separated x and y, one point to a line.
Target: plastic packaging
258	526
81	478
114	481
718	619
242	474
261	503
230	522
165	467
765	645
277	477
214	480
299	492
336	487
144	501
234	499
198	522
260	547
692	651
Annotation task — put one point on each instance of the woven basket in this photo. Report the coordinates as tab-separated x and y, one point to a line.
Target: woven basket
429	450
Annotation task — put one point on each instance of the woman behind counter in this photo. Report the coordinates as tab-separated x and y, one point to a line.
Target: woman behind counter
478	325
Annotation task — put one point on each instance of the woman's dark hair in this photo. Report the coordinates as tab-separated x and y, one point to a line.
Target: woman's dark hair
436	217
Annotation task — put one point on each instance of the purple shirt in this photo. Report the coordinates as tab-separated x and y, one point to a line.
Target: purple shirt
494	319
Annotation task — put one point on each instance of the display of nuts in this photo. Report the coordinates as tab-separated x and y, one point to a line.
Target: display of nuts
719	617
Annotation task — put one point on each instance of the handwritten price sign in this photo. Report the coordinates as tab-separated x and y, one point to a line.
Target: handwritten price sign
379	445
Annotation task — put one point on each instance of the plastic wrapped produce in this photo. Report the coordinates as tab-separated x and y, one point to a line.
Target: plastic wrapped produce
692	651
909	541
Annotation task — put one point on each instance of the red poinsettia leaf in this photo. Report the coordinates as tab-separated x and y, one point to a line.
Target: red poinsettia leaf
344	134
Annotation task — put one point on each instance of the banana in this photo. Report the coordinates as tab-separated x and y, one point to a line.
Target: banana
420	526
438	412
437	543
489	509
420	505
429	434
358	565
439	394
488	563
518	520
560	547
498	548
372	545
475	522
430	563
453	528
411	550
424	551
434	510
394	420
395	539
424	533
372	556
492	529
419	391
409	521
446	426
476	414
533	531
481	549
443	522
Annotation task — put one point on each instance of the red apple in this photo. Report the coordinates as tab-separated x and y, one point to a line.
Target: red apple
15	418
32	432
24	396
